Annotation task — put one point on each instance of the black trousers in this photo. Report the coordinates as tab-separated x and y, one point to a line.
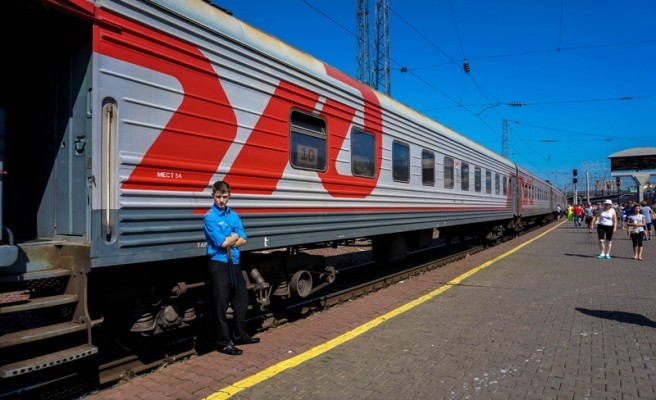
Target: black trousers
224	294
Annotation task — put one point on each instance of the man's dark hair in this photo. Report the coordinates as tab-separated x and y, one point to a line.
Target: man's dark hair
221	186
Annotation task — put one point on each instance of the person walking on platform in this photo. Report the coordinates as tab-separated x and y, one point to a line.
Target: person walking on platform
646	211
626	211
578	212
607	227
588	213
225	234
637	223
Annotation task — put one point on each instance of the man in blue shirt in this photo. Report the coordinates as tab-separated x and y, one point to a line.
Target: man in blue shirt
225	234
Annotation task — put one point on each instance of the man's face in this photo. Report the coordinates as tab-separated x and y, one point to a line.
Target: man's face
221	199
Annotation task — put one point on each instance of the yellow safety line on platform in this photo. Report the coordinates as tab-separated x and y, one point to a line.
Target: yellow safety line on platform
273	370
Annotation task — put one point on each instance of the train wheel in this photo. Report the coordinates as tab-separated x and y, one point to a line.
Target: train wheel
301	283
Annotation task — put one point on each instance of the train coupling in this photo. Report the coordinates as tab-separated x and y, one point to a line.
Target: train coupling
261	287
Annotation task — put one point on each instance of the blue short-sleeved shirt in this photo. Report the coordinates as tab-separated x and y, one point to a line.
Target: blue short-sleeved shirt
218	225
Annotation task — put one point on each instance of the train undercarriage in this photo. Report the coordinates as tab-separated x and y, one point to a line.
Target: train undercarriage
65	314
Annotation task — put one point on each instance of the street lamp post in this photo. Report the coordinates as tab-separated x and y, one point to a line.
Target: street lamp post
587	186
575	199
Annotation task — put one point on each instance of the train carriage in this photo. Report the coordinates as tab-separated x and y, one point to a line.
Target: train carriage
535	200
117	120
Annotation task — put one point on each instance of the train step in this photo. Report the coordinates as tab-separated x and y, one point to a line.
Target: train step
39	303
36	275
36	334
47	361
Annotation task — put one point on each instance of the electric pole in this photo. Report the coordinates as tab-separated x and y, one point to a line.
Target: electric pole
373	70
362	60
380	67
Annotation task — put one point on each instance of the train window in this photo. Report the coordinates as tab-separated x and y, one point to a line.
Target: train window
505	185
427	168
308	142
488	182
363	154
464	176
477	179
448	173
401	162
497	184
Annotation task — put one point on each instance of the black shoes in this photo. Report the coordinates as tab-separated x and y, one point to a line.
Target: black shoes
247	340
230	350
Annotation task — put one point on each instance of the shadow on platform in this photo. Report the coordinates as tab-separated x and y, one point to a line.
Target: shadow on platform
620	316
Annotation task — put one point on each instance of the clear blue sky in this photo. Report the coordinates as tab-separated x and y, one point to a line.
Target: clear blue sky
583	70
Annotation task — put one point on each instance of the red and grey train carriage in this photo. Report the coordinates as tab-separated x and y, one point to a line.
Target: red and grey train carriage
117	116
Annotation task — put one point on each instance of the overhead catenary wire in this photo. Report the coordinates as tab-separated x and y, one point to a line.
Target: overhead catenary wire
492	100
542	51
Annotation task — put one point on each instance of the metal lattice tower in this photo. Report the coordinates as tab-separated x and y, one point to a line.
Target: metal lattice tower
504	139
380	67
373	70
362	41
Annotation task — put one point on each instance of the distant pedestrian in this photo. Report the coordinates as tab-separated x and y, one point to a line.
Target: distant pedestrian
588	213
636	223
578	213
646	211
627	209
607	227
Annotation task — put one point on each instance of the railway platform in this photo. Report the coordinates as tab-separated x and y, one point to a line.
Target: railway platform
538	317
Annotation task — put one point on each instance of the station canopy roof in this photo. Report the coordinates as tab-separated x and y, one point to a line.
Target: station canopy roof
635	152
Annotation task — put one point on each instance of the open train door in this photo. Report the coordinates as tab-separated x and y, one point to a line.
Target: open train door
45	105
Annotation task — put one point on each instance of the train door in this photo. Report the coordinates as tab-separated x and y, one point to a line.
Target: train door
44	98
515	195
70	174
